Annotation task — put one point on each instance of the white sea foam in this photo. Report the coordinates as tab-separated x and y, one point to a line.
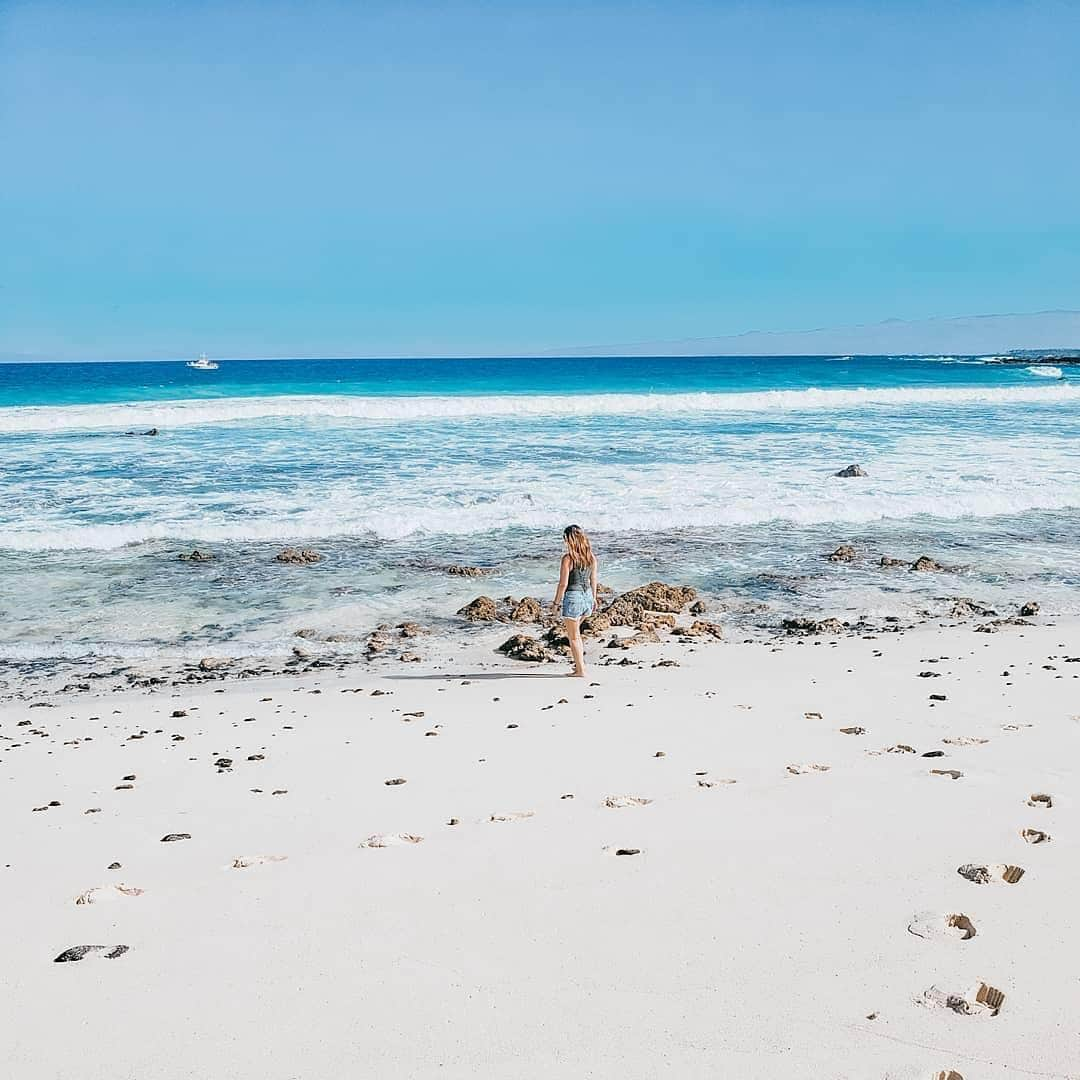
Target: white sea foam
468	500
172	414
1047	371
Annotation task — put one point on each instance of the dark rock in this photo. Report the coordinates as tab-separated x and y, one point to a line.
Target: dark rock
812	626
1030	608
700	628
964	606
209	663
77	952
523	647
851	471
469	571
644	637
889	562
411	629
844	553
170	837
698	607
297	556
994	625
195	555
145	431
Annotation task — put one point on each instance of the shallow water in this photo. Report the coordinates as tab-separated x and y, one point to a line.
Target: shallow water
712	472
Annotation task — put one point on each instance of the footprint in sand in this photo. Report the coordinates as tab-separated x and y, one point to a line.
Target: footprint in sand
101	893
931	924
952	774
242	862
964	740
802	770
78	952
716	783
990	874
1035	836
1041	800
383	840
981	1000
512	815
616	802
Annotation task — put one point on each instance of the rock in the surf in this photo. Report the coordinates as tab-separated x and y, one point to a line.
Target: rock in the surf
297	556
844	553
196	555
852	471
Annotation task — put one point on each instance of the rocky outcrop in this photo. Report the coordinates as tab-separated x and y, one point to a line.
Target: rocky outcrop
698	607
210	663
844	553
411	629
629	608
595	624
482	609
1029	609
812	626
851	471
196	555
523	647
145	431
527	609
888	562
297	556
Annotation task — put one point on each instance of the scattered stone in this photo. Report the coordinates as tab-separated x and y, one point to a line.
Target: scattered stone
628	608
889	563
177	713
411	629
963	607
851	471
698	607
1029	609
209	663
173	836
469	571
397	780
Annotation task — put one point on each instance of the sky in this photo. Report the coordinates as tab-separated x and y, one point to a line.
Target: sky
354	179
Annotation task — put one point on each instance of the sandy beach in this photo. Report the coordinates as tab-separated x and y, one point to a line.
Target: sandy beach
743	865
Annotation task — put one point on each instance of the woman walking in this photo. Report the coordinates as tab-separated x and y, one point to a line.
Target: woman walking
576	591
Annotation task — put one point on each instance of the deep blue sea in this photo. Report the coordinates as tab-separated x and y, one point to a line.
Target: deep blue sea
716	472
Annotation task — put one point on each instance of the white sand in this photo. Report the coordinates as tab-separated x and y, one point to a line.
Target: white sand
758	928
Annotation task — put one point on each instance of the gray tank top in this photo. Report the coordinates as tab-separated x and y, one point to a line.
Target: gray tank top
580	579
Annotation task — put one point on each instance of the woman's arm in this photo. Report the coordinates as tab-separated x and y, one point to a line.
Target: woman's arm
592	579
564	576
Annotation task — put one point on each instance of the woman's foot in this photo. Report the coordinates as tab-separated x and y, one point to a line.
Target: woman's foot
575	674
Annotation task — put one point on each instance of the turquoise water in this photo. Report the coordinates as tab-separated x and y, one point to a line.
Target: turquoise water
716	472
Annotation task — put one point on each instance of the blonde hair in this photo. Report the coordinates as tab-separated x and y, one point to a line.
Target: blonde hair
577	543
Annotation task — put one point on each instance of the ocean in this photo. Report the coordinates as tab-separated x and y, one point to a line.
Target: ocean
712	472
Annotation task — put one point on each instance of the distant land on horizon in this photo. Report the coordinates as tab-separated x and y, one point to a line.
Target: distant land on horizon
962	335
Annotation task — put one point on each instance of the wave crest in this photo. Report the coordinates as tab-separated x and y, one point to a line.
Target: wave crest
171	414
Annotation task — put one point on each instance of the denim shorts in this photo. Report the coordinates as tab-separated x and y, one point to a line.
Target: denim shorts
577	603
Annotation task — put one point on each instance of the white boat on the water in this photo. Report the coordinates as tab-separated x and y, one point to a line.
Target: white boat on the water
202	364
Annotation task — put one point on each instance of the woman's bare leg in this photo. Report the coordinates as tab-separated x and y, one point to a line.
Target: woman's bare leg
577	650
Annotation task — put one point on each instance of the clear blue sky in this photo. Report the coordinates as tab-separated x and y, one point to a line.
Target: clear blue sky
367	178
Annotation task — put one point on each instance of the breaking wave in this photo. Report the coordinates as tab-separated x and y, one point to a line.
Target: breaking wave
171	414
